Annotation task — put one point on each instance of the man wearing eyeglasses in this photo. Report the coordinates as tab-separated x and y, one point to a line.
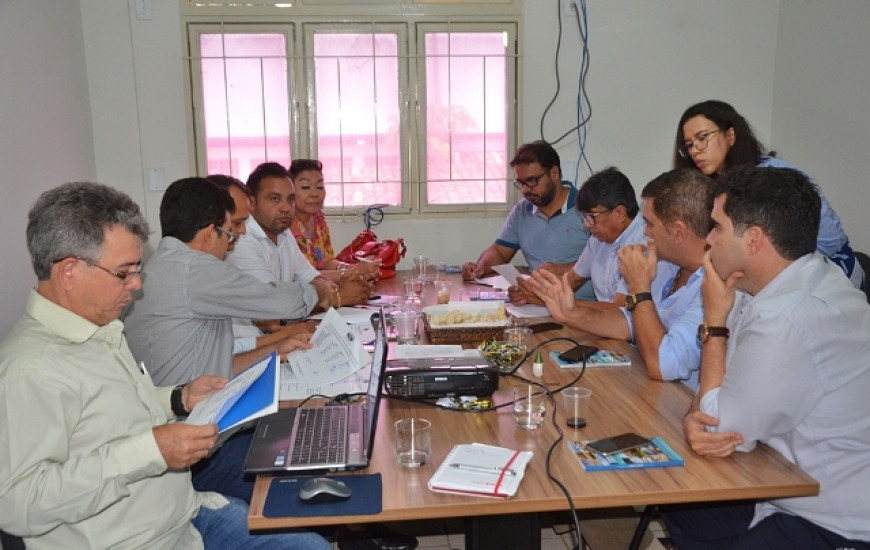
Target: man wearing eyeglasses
91	459
609	208
544	225
181	325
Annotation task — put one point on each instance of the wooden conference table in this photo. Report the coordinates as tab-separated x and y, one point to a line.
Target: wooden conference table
624	399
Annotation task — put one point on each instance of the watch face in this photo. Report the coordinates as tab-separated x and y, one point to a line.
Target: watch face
629	302
702	333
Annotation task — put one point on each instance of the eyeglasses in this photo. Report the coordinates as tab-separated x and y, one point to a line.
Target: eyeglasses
531	182
126	277
699	143
231	237
589	217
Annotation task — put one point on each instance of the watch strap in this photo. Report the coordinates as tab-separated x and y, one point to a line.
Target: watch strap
633	299
176	403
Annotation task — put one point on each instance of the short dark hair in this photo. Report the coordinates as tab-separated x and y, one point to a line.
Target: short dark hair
265	170
70	221
608	188
746	150
190	204
783	202
225	182
537	151
685	195
303	165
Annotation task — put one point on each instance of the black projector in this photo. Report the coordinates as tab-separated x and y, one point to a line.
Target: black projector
440	377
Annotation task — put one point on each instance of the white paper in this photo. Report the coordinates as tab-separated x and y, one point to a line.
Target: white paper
432	351
337	353
213	407
495	281
509	272
291	388
351	315
528	310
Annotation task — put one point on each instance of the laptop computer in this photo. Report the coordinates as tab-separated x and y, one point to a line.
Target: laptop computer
309	439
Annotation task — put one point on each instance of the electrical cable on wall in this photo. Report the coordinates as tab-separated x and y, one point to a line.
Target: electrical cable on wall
373	215
583	115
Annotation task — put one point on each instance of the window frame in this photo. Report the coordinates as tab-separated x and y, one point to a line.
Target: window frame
412	28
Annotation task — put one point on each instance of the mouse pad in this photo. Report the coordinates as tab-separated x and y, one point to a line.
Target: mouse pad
283	498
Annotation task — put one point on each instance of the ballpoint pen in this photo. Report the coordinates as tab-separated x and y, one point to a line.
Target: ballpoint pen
483	469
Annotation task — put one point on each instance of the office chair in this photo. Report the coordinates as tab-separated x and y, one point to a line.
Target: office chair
864	262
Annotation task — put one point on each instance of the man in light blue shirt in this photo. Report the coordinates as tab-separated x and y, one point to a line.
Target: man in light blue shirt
544	225
661	281
785	363
609	208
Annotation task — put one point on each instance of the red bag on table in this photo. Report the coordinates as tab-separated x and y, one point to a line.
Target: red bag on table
366	246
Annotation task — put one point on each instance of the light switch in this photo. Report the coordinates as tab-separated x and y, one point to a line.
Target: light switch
143	9
156	182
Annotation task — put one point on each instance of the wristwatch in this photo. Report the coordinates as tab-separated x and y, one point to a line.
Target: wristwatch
705	332
632	300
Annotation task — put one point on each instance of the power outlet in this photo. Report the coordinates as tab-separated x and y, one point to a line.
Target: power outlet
569	8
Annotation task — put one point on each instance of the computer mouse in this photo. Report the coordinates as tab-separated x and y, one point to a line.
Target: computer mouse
324	489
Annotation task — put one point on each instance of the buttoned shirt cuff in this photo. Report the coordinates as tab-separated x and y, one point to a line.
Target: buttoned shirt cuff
135	458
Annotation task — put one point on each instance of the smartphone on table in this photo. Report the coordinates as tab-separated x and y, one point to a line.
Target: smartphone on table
577	354
617	443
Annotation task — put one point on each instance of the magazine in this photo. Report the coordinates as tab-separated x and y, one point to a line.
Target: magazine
601	358
657	454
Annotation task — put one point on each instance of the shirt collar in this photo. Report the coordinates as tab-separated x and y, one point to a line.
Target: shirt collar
568	204
69	325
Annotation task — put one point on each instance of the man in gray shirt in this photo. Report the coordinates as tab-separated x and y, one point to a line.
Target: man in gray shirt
181	326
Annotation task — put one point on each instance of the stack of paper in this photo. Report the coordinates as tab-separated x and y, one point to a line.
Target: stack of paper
481	470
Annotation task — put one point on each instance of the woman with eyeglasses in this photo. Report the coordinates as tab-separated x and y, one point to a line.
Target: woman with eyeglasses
713	138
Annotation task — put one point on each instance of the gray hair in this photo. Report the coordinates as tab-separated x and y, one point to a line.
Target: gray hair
70	221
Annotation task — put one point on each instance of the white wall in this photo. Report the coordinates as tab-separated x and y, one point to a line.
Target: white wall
796	69
821	122
45	127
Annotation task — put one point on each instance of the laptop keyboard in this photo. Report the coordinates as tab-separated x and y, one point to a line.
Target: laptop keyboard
320	436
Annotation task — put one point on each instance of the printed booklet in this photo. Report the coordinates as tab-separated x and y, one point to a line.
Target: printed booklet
657	454
601	358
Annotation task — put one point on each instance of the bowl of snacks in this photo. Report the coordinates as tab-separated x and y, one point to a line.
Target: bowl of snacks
505	355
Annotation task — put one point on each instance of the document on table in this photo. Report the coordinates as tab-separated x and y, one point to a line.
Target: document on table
527	310
495	281
337	353
291	388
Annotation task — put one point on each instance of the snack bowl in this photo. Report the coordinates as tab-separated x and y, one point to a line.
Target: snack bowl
505	355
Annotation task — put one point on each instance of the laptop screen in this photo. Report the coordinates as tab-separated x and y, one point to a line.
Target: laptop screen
373	398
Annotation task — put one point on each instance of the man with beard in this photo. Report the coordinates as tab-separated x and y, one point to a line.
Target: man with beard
544	225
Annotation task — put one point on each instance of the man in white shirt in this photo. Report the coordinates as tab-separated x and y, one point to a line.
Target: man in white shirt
784	362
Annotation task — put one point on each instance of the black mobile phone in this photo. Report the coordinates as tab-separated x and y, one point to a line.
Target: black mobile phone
577	354
541	327
618	443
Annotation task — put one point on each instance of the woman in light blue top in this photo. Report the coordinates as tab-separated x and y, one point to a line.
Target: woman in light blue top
713	137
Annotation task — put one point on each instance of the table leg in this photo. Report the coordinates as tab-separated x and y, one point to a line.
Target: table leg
500	532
